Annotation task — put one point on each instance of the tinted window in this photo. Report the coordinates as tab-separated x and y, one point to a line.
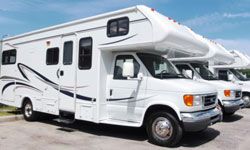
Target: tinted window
52	56
85	53
9	57
118	27
67	53
119	66
223	75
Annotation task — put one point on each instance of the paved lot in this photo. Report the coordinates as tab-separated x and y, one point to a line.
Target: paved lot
232	134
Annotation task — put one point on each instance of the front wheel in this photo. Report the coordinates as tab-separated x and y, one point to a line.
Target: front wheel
163	129
28	113
229	114
246	100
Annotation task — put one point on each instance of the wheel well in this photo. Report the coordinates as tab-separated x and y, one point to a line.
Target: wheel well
245	93
25	100
157	108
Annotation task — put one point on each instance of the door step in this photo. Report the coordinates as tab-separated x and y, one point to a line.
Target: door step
64	121
66	117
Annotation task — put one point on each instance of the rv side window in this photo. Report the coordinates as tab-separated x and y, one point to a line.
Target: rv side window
85	53
52	56
119	66
67	53
9	57
118	27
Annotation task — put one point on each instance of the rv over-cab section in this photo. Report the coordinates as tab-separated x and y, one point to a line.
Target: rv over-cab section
242	61
216	53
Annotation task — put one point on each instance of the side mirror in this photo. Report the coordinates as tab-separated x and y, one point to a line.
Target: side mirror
128	69
231	78
189	73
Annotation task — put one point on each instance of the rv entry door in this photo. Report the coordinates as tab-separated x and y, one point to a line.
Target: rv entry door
67	73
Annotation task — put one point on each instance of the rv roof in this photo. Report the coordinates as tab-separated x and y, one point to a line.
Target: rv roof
168	35
73	22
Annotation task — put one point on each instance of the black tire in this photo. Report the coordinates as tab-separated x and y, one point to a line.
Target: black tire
175	132
28	113
229	114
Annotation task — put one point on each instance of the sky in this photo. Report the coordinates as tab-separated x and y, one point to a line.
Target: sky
225	21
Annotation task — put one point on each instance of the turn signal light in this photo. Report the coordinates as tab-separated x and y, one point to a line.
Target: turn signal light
227	93
189	100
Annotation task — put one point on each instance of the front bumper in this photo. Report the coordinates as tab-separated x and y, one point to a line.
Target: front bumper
198	121
231	106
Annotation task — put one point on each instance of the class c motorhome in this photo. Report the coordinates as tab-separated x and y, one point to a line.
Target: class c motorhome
231	73
229	94
109	69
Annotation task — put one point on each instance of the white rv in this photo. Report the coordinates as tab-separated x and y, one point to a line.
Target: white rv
230	73
229	94
109	69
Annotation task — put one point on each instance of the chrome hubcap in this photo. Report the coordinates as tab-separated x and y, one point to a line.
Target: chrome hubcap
28	110
162	128
246	100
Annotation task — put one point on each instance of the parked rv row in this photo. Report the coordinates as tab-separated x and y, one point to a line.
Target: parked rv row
132	67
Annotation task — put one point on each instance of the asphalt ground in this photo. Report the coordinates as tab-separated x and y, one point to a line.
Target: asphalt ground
232	134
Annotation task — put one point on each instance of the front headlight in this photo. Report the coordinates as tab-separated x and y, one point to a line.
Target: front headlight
192	100
229	93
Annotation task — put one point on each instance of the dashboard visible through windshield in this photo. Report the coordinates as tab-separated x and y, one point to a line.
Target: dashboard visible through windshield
203	71
239	75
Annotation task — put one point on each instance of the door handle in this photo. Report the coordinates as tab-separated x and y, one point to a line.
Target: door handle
61	73
110	92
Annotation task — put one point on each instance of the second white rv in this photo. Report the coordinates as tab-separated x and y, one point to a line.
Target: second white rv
109	69
229	94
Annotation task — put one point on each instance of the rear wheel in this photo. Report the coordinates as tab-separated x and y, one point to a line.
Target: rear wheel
28	113
163	129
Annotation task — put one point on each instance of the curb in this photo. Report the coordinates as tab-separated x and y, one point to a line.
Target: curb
11	118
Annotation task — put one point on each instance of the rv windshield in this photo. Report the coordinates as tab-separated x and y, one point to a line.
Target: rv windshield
239	75
203	71
159	67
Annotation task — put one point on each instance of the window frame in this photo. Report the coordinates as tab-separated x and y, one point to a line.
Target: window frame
72	49
85	68
50	64
117	28
8	54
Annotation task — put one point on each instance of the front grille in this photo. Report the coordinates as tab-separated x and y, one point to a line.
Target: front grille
238	94
209	100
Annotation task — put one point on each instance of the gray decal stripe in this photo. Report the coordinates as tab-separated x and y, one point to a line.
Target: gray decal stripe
119	40
46	80
17	83
119	99
37	73
13	78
